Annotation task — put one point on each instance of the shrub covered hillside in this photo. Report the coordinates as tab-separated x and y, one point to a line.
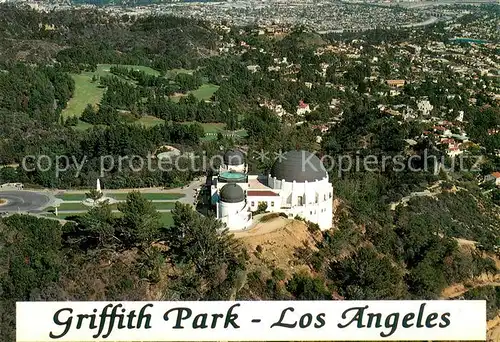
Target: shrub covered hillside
132	257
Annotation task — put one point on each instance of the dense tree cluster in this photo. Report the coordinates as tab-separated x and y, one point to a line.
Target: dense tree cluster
81	39
40	92
481	121
41	258
113	148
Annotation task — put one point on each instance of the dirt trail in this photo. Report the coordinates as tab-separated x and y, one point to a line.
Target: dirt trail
457	290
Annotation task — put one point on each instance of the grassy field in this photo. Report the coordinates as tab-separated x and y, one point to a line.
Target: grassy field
209	127
86	92
66	215
71	197
204	92
164	205
120	196
173	72
75	207
166	219
149	121
72	206
80	206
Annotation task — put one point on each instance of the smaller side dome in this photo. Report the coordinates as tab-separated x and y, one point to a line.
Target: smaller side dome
234	157
231	193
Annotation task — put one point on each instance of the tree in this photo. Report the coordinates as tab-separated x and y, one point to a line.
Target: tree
495	196
306	287
32	261
140	223
201	246
426	280
89	114
368	275
98	224
94	195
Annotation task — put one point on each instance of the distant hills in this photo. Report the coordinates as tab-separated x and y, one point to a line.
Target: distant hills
125	2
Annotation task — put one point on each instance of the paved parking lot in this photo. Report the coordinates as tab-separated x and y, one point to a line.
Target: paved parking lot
23	201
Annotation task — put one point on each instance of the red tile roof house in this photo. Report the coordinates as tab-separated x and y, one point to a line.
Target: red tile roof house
447	141
322	128
439	128
396	83
447	123
453	148
495	176
442	130
302	104
303	108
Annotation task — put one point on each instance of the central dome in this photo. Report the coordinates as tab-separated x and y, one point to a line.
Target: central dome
299	166
231	193
234	157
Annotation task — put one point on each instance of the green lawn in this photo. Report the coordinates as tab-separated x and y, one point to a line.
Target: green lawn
173	72
71	197
209	127
213	128
83	126
204	92
166	219
242	133
164	205
121	196
73	206
86	92
149	121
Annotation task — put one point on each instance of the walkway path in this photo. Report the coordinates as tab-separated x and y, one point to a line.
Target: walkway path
431	191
